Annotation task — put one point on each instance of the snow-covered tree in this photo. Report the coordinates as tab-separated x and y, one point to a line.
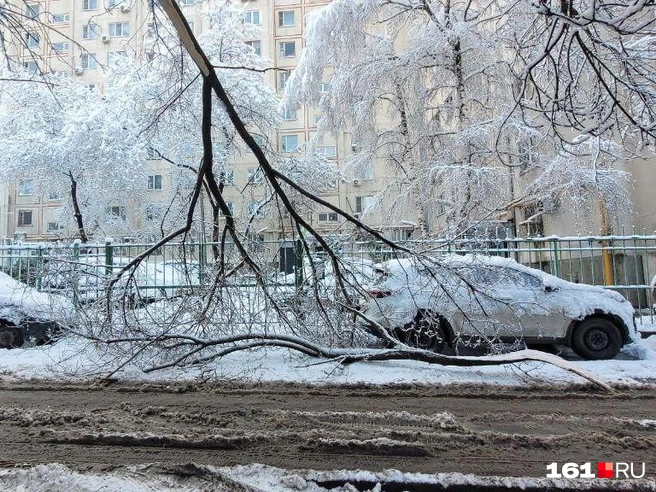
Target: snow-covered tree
589	66
73	142
428	90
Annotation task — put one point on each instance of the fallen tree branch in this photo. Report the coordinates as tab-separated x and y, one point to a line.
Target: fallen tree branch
234	343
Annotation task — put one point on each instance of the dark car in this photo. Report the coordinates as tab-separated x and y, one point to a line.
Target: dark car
27	315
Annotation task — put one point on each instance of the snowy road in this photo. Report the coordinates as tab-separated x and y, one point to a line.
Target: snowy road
502	431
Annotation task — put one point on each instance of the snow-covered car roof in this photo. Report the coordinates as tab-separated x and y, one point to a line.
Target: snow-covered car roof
18	300
460	261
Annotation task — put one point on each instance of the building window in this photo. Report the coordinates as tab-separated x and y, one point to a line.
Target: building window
32	40
362	203
26	188
400	234
283	77
289	143
327	151
24	218
119	29
289	114
324	87
256	45
252	17
329	217
528	156
88	61
286	18
60	47
155	182
54	227
89	4
90	31
255	175
31	66
255	208
188	2
192	25
113	57
33	11
287	49
116	213
227	176
54	195
441	205
59	18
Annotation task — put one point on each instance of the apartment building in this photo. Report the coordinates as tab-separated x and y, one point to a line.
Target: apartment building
88	34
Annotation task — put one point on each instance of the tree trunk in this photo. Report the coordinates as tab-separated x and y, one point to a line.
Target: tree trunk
77	214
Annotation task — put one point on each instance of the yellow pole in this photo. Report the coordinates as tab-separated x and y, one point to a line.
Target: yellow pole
606	257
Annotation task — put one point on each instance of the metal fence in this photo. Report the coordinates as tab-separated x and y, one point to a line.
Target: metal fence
623	263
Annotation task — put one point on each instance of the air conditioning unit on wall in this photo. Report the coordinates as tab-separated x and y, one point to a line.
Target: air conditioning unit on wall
78	70
105	38
357	182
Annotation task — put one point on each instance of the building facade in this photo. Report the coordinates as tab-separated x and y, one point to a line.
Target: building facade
79	37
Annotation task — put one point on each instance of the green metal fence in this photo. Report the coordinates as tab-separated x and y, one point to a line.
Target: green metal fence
623	263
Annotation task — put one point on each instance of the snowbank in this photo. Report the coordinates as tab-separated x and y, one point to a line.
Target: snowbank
73	359
260	477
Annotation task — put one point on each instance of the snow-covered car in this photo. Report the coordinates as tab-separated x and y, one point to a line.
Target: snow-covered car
166	279
321	282
27	315
88	277
428	303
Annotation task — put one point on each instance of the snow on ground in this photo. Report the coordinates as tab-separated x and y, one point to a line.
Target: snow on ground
256	477
646	324
74	360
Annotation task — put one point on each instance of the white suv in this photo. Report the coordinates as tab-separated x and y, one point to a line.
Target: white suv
428	303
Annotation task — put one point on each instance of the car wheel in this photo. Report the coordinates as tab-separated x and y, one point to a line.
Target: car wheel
596	338
10	337
425	332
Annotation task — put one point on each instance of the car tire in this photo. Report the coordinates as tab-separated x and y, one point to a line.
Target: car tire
10	337
427	331
596	339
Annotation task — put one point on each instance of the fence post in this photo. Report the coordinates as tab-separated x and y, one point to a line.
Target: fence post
201	261
556	260
298	263
39	267
109	257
